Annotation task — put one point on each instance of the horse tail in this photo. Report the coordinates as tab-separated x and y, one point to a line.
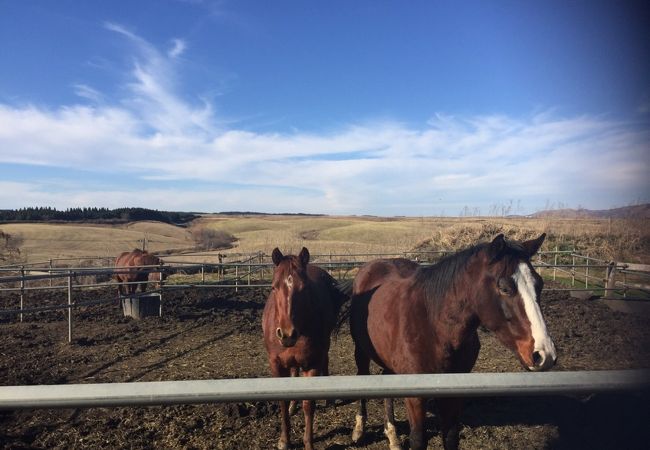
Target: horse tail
344	289
345	286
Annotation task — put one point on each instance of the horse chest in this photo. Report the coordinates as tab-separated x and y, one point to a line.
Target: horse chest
304	355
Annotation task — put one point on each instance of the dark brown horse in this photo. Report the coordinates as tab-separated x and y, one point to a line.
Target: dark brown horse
131	268
425	320
299	316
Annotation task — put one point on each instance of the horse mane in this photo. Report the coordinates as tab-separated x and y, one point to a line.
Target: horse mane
439	278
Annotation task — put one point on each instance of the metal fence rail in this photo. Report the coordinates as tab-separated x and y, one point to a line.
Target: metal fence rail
317	388
253	271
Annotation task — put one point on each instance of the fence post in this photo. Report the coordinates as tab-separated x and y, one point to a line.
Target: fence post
249	272
555	264
22	290
573	269
50	272
587	272
69	306
610	278
202	274
161	290
236	278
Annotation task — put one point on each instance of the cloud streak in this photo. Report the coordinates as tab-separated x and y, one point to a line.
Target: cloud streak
158	137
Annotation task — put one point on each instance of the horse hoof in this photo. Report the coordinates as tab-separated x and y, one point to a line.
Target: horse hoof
359	430
393	441
282	445
357	434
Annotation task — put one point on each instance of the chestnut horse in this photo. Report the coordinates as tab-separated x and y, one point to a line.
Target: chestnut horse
370	276
299	316
425	320
129	269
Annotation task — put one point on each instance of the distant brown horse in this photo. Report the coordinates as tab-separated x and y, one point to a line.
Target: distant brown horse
299	316
130	268
426	321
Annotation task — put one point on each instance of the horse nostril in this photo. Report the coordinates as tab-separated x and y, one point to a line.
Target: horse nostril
538	359
279	333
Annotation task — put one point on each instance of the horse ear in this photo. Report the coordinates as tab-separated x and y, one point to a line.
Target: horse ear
496	247
533	245
277	256
304	257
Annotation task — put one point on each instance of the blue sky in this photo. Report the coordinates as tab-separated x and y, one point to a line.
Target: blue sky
365	107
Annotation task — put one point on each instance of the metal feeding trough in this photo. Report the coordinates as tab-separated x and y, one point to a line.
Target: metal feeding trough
143	306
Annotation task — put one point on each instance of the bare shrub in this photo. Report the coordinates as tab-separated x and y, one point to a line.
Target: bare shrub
618	240
211	239
9	247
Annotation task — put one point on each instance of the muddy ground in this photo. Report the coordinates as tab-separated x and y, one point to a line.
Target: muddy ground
217	334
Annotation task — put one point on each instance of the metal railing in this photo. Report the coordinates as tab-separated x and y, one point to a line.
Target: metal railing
254	270
584	270
318	388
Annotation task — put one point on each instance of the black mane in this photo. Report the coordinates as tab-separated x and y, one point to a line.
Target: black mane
439	278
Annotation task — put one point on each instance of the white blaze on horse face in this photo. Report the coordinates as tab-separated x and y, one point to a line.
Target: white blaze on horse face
289	283
526	286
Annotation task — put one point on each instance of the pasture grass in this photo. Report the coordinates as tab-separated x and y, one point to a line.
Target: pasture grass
620	240
43	241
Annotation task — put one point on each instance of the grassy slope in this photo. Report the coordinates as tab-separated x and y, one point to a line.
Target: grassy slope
321	234
41	241
619	239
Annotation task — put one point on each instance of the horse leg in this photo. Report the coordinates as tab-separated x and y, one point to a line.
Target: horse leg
308	407
293	406
416	414
120	290
363	368
389	425
285	424
449	409
326	373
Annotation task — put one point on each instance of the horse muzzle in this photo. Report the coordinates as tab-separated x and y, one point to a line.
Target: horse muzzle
287	339
543	360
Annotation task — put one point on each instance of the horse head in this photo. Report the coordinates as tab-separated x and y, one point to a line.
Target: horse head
289	288
510	308
156	276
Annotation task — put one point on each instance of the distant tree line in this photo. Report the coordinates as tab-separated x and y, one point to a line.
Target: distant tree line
45	214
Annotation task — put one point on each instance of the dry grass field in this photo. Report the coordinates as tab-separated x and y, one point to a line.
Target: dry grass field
42	241
621	240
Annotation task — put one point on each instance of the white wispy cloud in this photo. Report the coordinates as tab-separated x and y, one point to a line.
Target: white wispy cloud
178	47
88	93
155	135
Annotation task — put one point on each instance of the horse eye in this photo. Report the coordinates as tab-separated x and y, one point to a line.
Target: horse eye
505	286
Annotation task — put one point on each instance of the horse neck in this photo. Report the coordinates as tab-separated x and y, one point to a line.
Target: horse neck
454	303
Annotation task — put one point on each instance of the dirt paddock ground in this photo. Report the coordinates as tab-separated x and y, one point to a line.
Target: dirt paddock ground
217	334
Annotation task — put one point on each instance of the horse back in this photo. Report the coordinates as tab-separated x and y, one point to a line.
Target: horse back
374	273
133	260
